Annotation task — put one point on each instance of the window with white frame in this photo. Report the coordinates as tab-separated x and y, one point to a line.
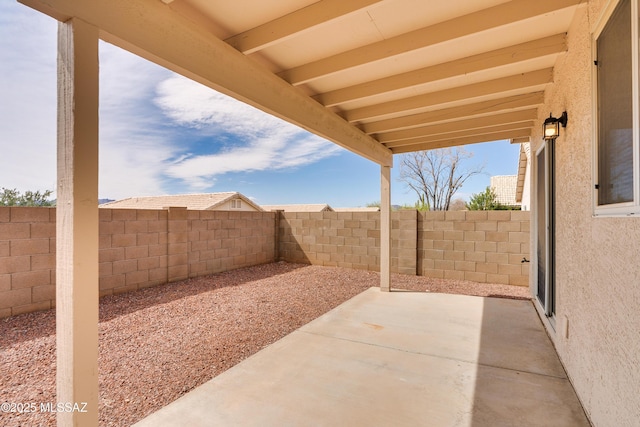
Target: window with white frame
236	204
617	114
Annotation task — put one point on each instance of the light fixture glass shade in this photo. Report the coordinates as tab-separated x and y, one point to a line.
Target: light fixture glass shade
551	126
551	129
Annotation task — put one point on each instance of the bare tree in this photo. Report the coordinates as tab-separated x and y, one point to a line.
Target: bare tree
436	175
457	204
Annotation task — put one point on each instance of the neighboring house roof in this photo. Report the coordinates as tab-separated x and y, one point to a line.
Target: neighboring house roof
366	209
505	188
204	201
523	161
299	208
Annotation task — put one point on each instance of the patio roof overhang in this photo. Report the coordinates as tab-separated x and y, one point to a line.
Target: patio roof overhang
376	77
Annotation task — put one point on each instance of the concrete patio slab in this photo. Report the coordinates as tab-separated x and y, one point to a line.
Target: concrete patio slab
395	359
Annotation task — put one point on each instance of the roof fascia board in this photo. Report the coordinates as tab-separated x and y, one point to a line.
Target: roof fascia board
522	171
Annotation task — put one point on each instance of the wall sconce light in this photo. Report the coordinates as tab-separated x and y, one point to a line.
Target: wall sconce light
551	126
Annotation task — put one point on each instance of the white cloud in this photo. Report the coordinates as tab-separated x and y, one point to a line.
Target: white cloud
132	147
194	105
135	144
260	141
152	122
27	98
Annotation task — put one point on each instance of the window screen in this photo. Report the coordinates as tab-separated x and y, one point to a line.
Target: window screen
615	116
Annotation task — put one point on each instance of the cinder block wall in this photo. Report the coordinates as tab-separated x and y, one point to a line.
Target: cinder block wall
482	246
485	247
347	239
224	240
138	248
27	259
142	248
133	249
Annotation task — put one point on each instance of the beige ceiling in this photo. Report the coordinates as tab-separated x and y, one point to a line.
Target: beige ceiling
413	74
390	76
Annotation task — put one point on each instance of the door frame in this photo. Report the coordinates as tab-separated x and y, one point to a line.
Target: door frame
548	305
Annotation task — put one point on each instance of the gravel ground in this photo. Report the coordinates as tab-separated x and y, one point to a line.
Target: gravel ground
157	344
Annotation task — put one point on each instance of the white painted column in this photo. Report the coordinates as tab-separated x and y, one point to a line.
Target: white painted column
77	222
385	228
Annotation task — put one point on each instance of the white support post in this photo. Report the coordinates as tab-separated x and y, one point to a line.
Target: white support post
77	223
385	228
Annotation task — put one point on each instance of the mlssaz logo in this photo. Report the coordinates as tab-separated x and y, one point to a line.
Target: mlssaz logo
64	407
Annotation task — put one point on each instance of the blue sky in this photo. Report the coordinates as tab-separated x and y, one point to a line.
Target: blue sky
163	134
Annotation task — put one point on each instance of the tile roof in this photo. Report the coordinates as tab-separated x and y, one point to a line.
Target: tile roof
360	209
203	201
299	208
505	188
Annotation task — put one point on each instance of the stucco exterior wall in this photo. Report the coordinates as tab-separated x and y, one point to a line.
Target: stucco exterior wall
245	207
597	265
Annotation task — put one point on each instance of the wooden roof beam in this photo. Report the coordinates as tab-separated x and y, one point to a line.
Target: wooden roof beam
153	31
484	61
486	19
489	137
302	19
489	87
454	126
525	124
455	113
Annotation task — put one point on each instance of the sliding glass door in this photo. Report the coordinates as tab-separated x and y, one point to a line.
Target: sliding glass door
545	227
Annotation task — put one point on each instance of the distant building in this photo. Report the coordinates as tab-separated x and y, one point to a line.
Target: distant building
227	201
514	190
299	208
504	186
523	185
365	209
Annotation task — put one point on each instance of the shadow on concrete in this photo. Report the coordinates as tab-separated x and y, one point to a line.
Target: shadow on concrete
519	378
400	359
